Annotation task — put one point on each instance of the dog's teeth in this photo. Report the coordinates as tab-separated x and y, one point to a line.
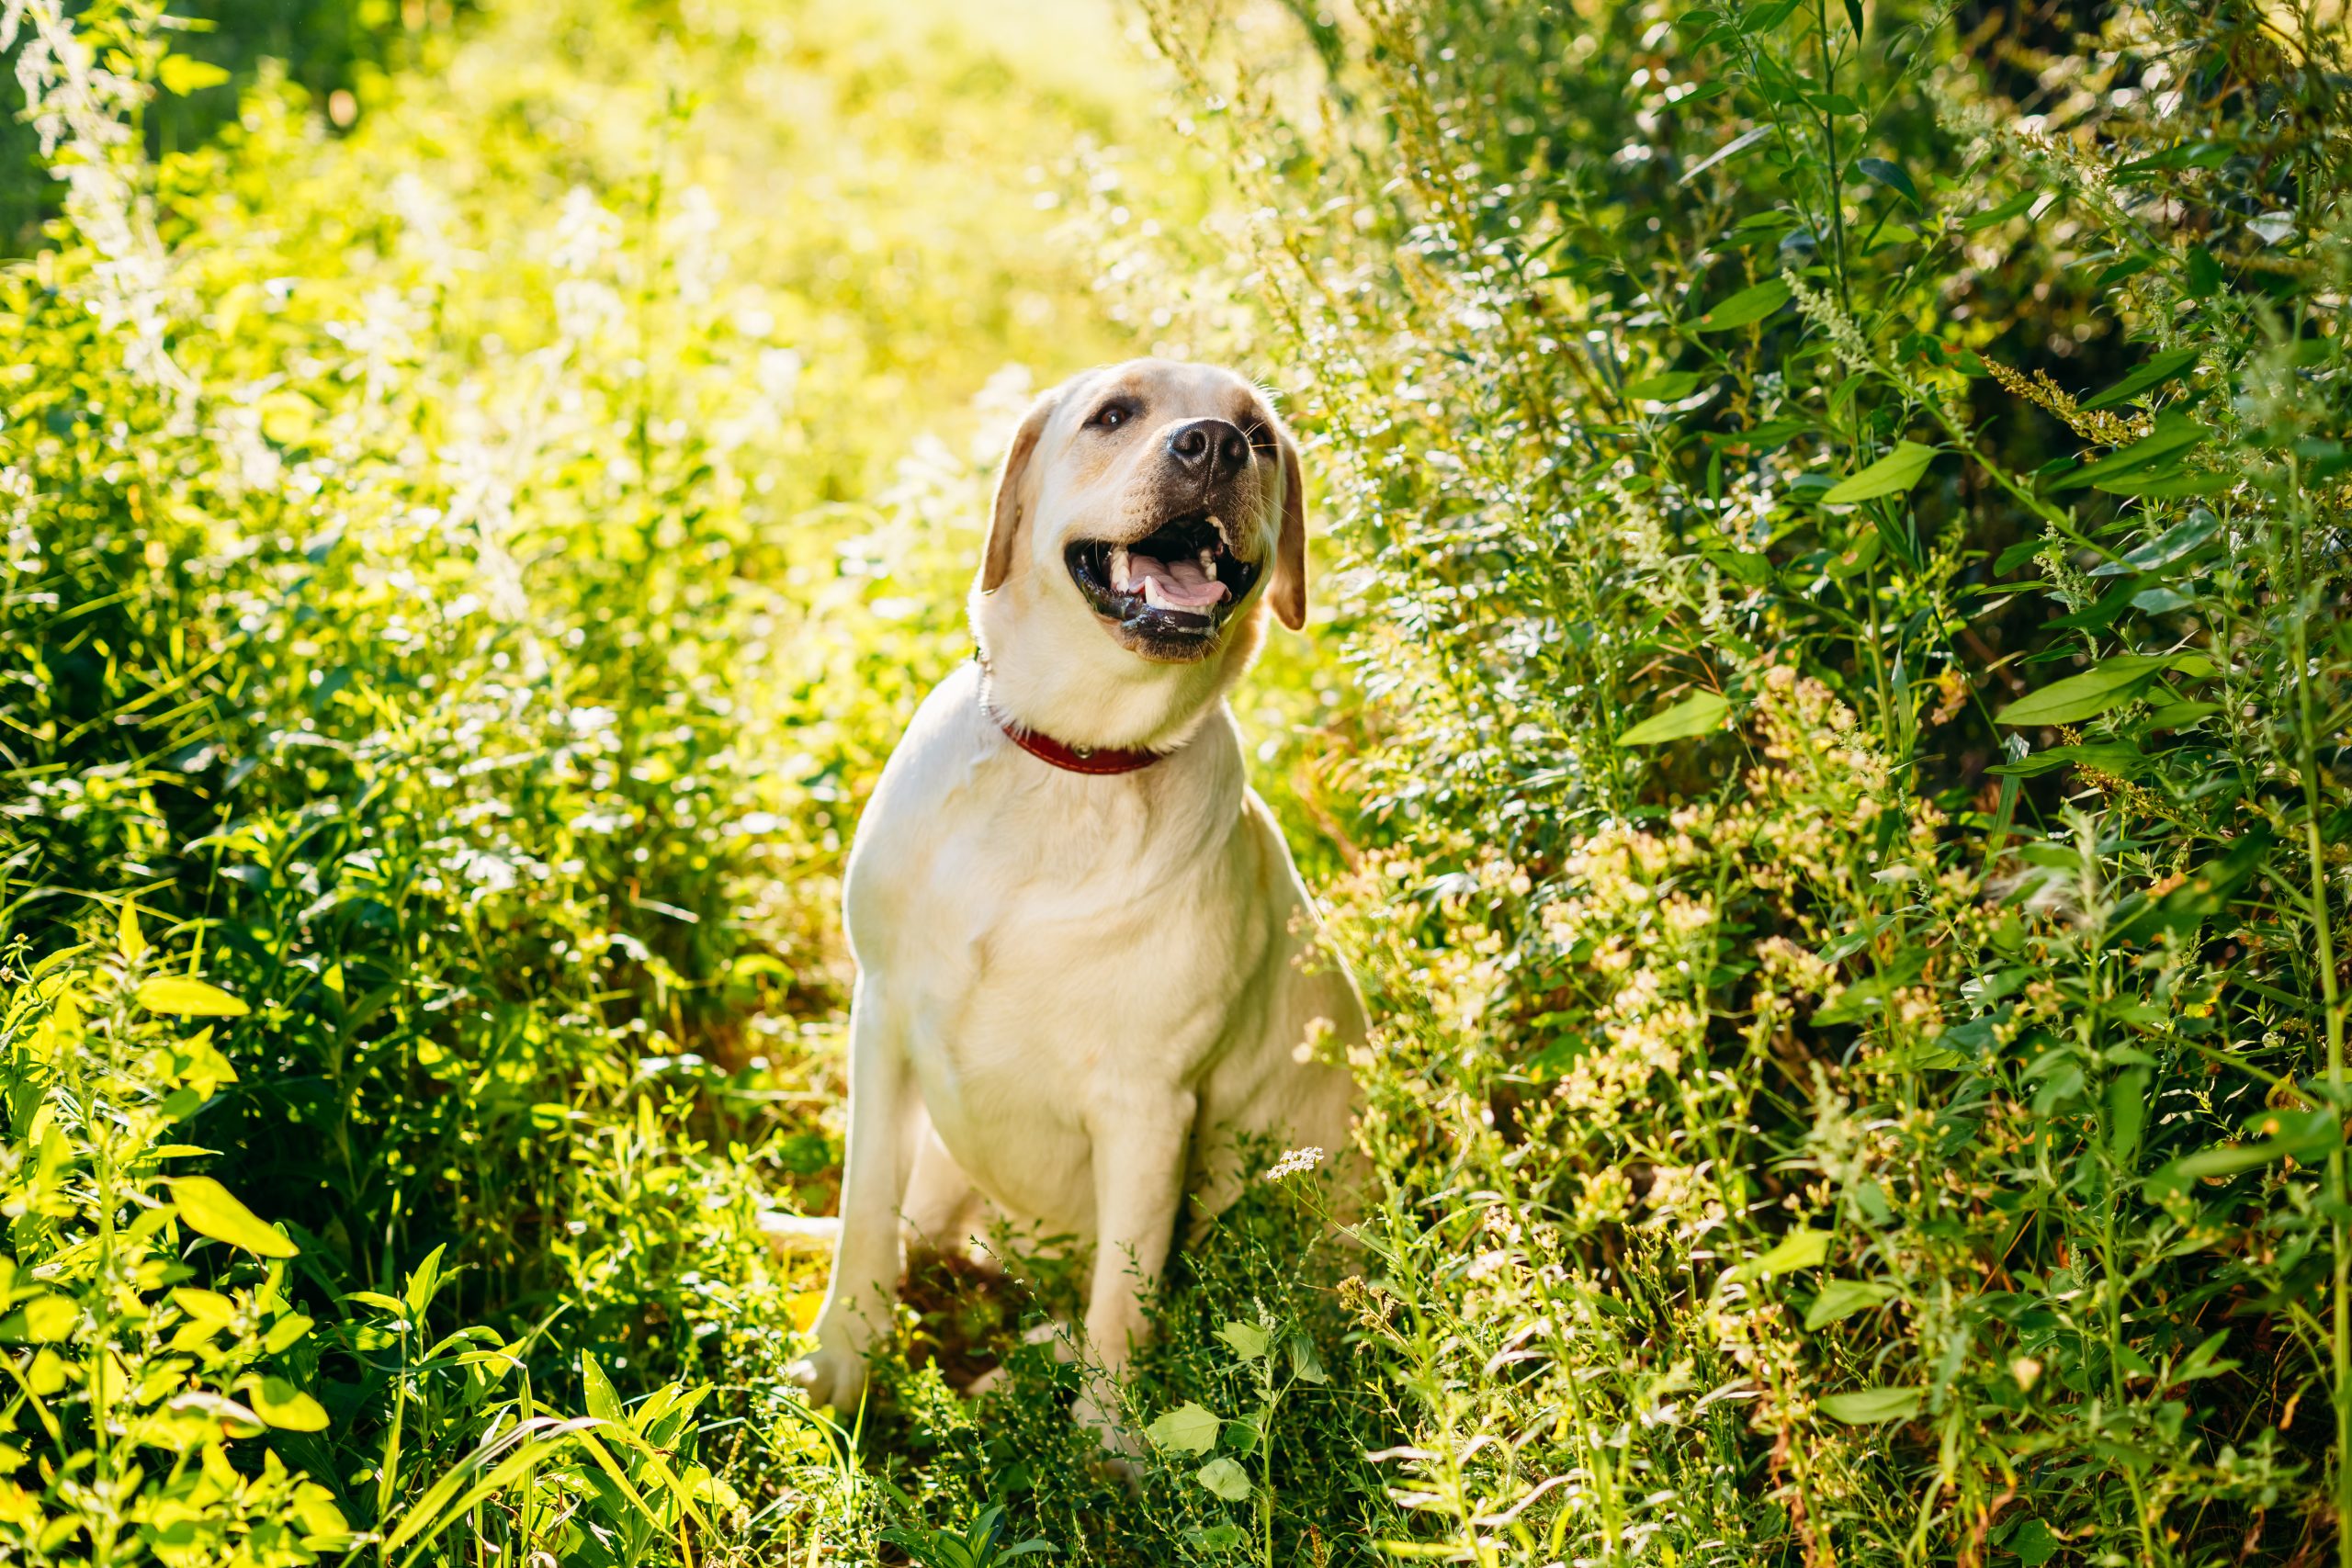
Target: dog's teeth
1208	564
1152	596
1119	581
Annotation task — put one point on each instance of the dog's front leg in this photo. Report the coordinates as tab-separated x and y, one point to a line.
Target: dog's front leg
867	1258
1139	1145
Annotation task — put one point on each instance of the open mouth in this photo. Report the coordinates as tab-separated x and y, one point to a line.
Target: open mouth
1182	582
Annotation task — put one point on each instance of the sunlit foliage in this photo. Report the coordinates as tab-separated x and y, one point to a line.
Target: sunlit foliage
1824	737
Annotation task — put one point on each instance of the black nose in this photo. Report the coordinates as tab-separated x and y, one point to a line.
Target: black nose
1209	446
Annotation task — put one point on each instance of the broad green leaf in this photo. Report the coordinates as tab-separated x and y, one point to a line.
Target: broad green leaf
1673	386
209	1209
1224	1478
1748	305
1891	176
129	940
598	1393
46	1319
2174	434
1701	714
1189	1428
2167	547
2002	212
2108	684
188	998
181	75
2033	1543
424	1283
1898	470
1841	1299
1248	1341
1868	1406
1304	1364
2171	482
283	1405
2154	373
1798	1250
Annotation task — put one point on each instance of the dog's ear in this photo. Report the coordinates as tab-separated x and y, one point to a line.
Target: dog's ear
1286	589
1006	517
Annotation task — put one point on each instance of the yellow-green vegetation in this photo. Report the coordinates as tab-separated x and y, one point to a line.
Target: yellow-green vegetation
1825	739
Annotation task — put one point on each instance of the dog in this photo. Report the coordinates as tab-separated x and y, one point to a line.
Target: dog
1087	969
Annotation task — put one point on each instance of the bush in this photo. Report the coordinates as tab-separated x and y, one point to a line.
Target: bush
1845	512
462	577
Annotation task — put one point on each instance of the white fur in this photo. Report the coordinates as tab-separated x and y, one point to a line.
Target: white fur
1074	991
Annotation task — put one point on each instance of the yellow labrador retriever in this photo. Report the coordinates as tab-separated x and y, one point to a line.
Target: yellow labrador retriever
1084	956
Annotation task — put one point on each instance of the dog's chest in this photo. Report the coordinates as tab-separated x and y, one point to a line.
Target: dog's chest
1040	943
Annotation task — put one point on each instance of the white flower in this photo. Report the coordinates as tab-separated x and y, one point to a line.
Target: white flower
1295	1163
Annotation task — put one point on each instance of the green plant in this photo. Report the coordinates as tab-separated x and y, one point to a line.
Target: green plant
1844	513
980	1546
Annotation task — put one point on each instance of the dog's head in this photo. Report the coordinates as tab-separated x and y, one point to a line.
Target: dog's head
1146	513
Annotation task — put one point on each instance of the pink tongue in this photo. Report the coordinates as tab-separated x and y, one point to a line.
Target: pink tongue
1182	583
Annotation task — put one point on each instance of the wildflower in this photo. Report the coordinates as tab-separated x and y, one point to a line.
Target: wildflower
1298	1162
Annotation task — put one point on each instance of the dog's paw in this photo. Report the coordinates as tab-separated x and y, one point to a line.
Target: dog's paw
835	1375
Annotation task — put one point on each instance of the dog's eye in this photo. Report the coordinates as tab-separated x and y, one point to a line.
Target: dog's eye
1110	416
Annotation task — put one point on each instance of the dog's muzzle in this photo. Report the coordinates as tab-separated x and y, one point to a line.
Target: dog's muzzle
1177	586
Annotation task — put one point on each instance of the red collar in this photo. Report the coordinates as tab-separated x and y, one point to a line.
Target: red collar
1068	759
1074	758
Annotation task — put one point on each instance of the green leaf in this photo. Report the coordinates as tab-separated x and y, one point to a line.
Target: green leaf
1867	1406
1670	388
1729	149
2174	434
2204	274
1304	1364
2154	373
129	940
1224	1478
2205	1360
1841	1299
2205	893
1748	305
188	998
283	1405
2167	548
604	1403
1248	1341
1798	1250
43	1320
424	1283
209	1209
181	75
2003	212
1891	176
2127	1112
2118	757
1898	470
2108	684
1189	1428
1701	714
2033	1543
2168	484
